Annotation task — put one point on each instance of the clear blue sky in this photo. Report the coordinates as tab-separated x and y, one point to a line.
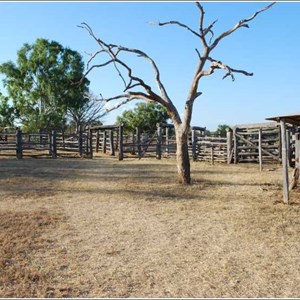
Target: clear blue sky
269	48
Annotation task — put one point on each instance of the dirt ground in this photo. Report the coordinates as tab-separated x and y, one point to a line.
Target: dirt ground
104	228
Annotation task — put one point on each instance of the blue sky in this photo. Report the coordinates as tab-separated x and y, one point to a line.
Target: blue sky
269	48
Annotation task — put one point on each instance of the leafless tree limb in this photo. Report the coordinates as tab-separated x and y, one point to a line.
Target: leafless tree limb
216	64
241	23
179	24
113	51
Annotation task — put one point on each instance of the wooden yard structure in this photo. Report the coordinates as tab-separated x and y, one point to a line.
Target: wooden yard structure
284	121
254	143
247	143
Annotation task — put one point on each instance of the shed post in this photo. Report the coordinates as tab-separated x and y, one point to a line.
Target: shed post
260	149
158	145
288	146
229	145
111	142
285	174
19	146
120	142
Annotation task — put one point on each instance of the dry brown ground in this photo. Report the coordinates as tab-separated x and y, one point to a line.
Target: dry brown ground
103	228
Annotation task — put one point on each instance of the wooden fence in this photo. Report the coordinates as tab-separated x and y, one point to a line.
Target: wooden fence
44	144
256	143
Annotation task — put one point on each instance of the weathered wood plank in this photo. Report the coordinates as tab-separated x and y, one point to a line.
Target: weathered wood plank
285	174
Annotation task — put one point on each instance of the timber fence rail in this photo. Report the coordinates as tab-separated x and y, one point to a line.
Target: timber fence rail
51	144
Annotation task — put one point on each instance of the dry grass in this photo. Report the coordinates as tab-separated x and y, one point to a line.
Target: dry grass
103	228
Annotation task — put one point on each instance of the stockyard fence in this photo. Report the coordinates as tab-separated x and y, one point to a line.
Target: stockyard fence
256	143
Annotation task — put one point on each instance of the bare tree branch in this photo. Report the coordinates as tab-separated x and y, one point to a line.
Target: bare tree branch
118	105
216	64
113	51
242	23
179	24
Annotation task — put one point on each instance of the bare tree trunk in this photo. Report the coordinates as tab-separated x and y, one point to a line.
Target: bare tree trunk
183	161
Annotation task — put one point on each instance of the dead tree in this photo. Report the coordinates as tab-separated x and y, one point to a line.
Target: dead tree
145	92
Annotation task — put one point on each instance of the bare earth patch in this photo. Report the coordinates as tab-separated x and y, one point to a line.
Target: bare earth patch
103	228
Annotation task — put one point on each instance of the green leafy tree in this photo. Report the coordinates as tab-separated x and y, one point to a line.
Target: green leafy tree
145	115
222	130
42	84
7	115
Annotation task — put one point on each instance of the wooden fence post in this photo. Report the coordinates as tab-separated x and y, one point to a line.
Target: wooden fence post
90	143
104	141
260	149
50	141
53	144
97	140
40	136
120	142
229	145
111	142
167	140
19	146
285	174
138	141
212	155
194	145
297	150
80	141
5	137
158	145
296	171
235	145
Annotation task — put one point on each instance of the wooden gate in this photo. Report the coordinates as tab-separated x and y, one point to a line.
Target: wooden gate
256	143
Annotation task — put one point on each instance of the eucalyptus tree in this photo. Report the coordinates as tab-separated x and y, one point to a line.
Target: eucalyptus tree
137	88
42	84
144	115
7	113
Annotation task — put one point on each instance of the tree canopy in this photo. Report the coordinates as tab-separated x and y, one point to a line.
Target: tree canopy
222	130
6	112
43	85
145	116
